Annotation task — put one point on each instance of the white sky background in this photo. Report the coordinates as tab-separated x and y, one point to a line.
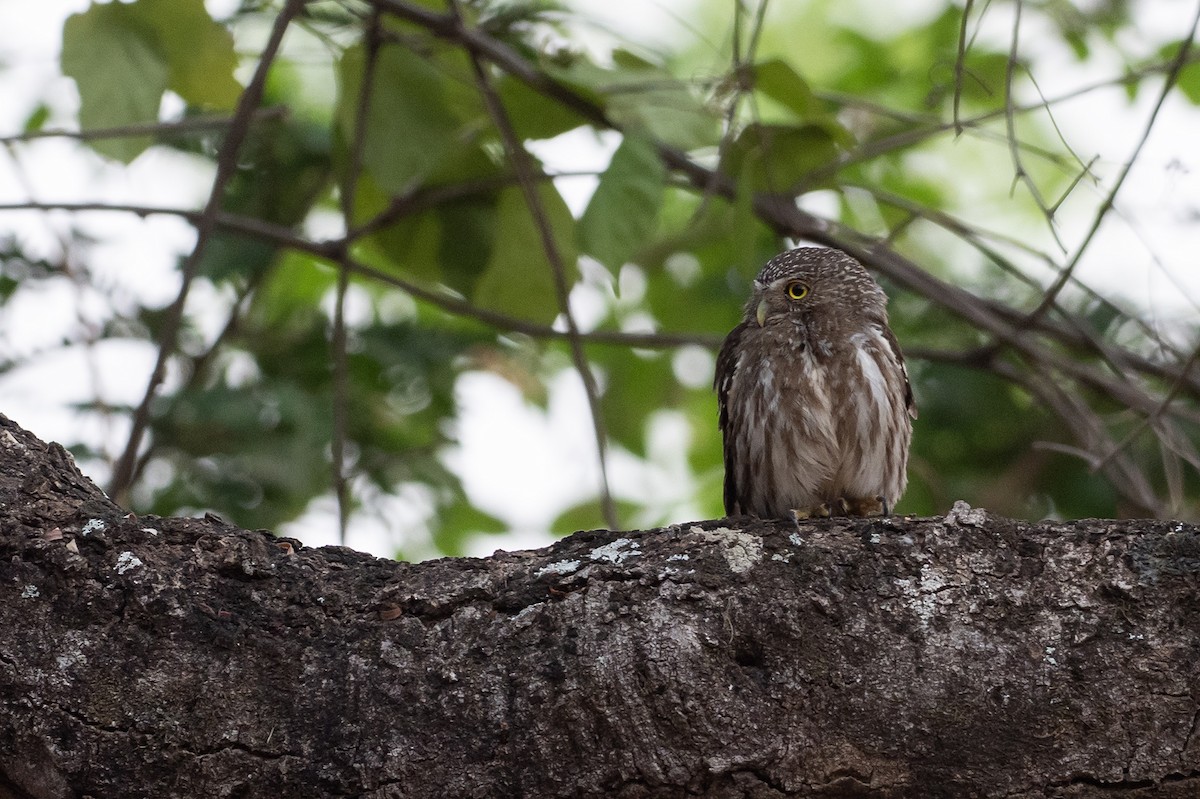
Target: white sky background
516	462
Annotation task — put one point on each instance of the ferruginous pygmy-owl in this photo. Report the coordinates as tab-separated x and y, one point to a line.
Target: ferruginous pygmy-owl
815	405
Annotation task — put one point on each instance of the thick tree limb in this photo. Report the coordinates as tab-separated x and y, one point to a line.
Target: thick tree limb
965	656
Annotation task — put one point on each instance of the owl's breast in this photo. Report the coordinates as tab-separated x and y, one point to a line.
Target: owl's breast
790	429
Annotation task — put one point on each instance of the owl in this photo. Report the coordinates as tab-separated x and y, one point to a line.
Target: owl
815	406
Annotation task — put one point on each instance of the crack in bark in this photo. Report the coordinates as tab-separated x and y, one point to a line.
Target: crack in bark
1187	741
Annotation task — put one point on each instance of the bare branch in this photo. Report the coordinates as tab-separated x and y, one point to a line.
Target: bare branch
1177	65
959	60
341	369
226	166
196	124
333	251
519	158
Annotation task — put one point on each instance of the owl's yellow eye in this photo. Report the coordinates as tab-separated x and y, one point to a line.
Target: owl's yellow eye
797	290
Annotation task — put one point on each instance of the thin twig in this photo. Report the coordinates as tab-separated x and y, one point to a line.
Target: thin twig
959	65
333	252
1152	417
1087	428
194	124
1078	335
739	71
519	158
933	125
226	166
1172	77
341	368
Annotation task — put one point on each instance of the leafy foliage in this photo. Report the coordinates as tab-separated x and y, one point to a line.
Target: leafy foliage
391	117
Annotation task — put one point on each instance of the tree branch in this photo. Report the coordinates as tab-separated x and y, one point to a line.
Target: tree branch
179	127
248	103
1177	65
519	158
908	658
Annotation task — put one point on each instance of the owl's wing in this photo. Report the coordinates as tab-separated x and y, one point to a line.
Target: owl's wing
890	337
722	381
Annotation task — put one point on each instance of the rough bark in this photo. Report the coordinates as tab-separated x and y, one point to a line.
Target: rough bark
965	656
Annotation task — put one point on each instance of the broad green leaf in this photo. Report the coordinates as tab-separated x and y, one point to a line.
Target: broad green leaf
1189	82
532	115
409	125
777	158
644	98
624	209
635	387
673	115
778	80
292	291
519	280
408	246
199	51
450	243
468	235
120	72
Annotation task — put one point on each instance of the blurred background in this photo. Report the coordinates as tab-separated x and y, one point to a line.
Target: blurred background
434	278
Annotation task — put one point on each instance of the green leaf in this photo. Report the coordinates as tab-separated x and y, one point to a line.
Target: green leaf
623	211
532	115
410	128
642	97
37	119
519	280
1188	80
635	387
776	158
450	243
291	293
778	80
120	72
468	234
672	115
199	51
407	246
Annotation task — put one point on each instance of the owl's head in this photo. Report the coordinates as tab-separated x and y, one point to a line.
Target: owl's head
815	286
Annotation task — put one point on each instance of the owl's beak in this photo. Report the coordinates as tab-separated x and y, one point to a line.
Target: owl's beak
760	313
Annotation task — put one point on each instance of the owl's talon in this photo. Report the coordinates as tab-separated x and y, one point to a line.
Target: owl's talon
815	512
866	506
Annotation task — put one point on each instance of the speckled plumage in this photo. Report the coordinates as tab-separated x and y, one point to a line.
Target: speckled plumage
815	405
